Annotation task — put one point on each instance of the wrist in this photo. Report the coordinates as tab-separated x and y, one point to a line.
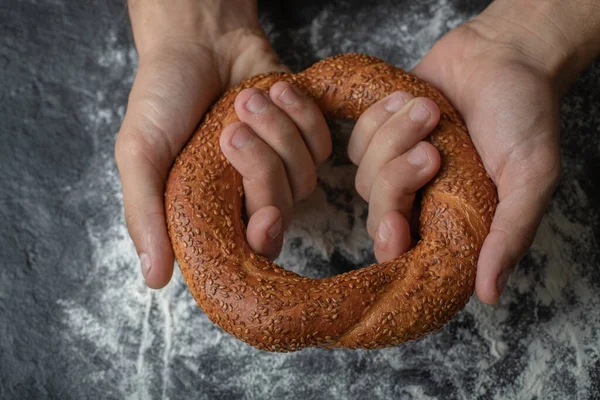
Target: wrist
214	35
560	38
197	22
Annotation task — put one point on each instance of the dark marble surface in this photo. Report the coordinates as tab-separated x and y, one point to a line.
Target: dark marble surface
76	320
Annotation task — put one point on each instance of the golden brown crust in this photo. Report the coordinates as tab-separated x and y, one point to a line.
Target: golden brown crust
377	306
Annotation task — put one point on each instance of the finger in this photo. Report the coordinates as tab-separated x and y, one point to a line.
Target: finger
371	120
278	131
525	186
158	122
264	178
512	232
398	134
307	117
264	233
143	191
396	184
392	237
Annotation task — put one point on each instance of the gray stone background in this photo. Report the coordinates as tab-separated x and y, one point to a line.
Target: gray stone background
76	320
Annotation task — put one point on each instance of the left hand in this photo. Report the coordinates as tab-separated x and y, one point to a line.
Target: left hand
505	71
394	161
509	102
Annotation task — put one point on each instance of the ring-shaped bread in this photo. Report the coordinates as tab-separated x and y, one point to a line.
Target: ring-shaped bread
377	306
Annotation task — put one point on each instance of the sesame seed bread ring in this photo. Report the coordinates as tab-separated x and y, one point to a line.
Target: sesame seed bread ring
377	306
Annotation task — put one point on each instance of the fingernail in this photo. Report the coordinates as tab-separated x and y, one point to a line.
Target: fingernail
275	229
502	280
289	96
257	104
418	112
145	264
383	232
396	101
241	137
418	157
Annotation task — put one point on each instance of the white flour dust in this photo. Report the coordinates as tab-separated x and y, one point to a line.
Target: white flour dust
402	38
155	340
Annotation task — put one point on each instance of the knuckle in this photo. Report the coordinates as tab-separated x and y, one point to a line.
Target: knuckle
366	123
362	188
284	137
273	126
387	183
306	186
137	217
390	139
323	153
147	147
281	135
354	155
384	183
130	218
128	148
267	167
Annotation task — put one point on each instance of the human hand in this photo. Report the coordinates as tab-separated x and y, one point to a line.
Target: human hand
281	138
387	144
504	72
189	53
509	99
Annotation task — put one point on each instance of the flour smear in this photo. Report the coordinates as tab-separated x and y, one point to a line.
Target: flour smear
159	342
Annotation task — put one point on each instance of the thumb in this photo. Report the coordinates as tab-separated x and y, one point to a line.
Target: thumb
512	232
166	102
171	92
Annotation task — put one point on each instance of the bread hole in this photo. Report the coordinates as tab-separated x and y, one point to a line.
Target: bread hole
328	234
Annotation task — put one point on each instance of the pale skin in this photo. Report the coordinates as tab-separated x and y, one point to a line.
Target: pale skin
504	71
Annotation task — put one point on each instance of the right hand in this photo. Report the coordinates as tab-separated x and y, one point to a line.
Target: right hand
281	138
189	53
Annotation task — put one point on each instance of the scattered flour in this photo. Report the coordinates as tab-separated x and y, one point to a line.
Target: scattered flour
156	340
